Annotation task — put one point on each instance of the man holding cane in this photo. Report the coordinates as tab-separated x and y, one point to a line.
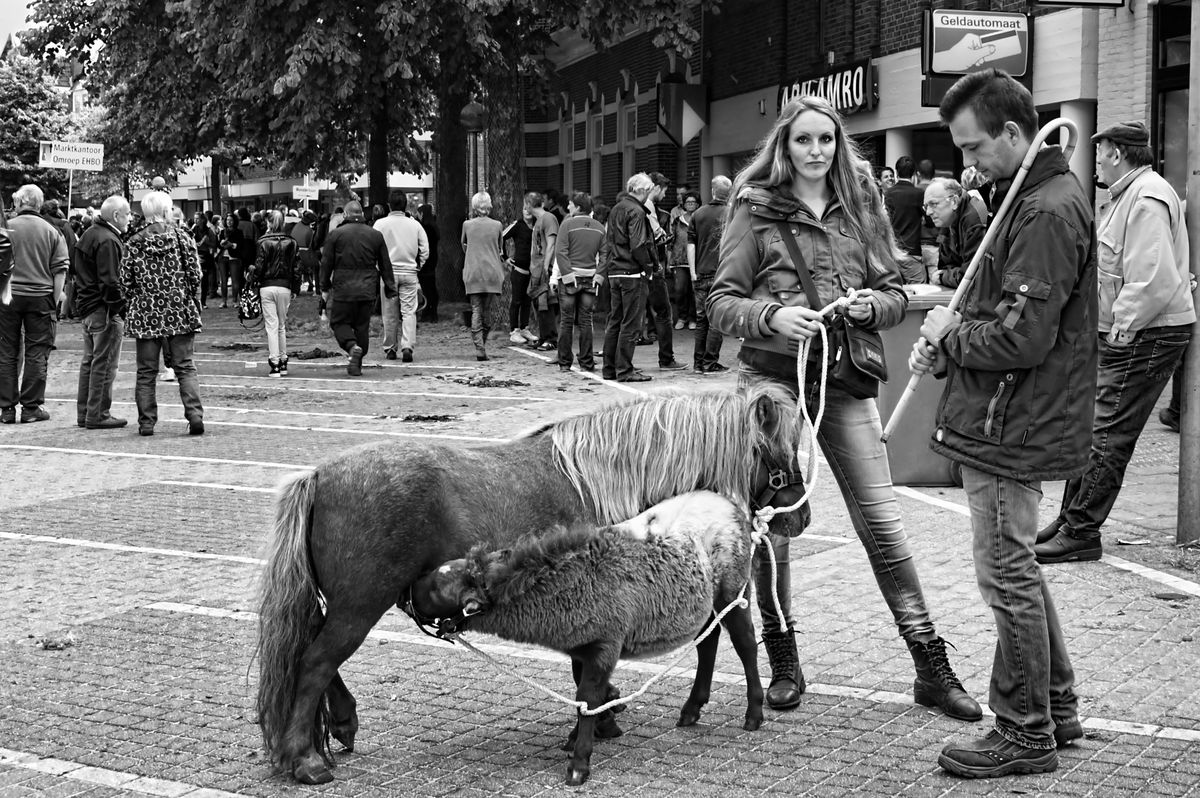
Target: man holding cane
1020	369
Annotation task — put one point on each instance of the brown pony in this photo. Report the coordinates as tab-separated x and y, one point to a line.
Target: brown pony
352	536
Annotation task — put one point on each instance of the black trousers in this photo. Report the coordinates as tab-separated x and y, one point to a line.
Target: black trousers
350	322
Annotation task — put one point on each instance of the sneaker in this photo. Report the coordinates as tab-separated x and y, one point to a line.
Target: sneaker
32	414
1064	548
390	354
671	365
112	422
354	368
717	368
515	337
196	426
167	375
8	415
405	355
530	338
691	325
995	756
283	367
636	376
1168	419
145	431
273	364
679	325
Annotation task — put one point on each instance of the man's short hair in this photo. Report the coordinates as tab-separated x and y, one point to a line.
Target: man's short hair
29	197
398	199
905	166
582	200
353	209
720	187
659	179
535	199
639	183
112	206
995	98
925	169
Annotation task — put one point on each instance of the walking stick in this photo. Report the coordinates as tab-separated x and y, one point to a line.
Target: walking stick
986	243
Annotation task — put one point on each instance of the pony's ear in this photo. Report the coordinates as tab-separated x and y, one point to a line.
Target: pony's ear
768	414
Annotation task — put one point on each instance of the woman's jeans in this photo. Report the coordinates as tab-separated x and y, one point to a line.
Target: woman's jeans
481	319
177	350
518	308
221	279
849	439
275	302
575	313
1130	380
684	301
237	276
1032	680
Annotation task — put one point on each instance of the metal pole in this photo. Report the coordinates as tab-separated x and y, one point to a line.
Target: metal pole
1187	527
70	188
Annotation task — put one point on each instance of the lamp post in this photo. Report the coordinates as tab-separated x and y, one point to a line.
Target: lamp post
474	119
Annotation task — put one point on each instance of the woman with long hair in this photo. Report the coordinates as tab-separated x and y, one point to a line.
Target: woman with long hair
808	181
228	263
483	268
276	268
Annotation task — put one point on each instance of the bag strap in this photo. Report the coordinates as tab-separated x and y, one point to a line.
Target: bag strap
806	280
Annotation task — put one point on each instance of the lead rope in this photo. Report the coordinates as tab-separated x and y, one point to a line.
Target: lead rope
808	433
758	536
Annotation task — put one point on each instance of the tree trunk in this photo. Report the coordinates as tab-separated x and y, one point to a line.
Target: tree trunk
450	144
505	142
377	155
214	186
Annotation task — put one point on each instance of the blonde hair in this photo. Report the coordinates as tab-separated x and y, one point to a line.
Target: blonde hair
850	178
274	221
481	204
156	206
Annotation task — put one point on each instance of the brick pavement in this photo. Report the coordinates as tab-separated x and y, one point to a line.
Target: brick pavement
154	694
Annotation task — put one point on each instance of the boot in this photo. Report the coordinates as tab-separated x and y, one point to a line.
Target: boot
787	680
936	685
274	364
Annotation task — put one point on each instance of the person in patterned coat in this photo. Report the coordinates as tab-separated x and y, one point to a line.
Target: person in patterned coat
160	280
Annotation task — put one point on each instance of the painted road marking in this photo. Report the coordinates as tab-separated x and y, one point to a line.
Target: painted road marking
253	410
286	386
143	456
1154	575
104	777
217	485
95	544
351	431
543	655
588	374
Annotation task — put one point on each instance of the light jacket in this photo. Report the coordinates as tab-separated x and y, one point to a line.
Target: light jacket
1021	366
407	244
1145	278
160	279
756	275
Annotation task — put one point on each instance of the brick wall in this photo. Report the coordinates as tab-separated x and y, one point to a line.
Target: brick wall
1125	47
744	44
610	177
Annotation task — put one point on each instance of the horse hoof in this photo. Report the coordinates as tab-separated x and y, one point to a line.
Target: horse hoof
688	717
576	776
752	723
308	773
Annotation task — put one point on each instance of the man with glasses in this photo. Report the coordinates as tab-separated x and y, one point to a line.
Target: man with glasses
947	205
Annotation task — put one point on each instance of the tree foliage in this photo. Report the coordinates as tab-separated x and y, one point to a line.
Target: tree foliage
32	109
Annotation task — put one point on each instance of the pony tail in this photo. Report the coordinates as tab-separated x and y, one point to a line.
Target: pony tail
289	616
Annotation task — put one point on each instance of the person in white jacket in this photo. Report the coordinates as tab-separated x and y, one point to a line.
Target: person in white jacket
408	248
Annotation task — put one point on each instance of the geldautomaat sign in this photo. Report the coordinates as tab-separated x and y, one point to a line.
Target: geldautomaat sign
848	88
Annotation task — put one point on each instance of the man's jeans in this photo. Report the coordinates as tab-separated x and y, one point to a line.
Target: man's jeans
708	339
627	308
849	439
176	350
1130	380
1032	680
400	314
575	310
34	316
98	368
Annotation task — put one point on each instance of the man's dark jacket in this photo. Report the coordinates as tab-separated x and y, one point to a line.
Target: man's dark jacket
629	243
98	256
707	223
903	202
355	258
1021	378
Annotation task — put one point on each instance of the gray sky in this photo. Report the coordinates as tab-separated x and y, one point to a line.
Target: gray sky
12	17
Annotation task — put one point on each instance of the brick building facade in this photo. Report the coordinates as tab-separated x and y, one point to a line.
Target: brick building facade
1087	64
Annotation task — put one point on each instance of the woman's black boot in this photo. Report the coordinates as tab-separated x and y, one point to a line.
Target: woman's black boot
936	684
787	680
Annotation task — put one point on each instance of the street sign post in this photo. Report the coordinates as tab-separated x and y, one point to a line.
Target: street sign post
305	193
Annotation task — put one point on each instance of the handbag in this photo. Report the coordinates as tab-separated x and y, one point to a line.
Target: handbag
249	302
855	356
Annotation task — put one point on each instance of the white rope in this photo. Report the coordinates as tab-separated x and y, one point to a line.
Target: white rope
759	534
581	706
808	432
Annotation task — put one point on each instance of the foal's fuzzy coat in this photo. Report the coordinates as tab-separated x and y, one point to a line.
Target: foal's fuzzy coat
631	590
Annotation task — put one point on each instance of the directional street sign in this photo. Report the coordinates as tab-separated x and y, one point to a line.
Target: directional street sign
305	192
71	155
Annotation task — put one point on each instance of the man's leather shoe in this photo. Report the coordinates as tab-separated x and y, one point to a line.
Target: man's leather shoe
1168	419
1049	531
636	376
8	415
390	354
1067	732
673	365
1064	548
108	423
406	355
32	414
354	367
996	756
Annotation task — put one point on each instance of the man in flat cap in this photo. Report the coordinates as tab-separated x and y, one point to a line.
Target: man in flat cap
1146	314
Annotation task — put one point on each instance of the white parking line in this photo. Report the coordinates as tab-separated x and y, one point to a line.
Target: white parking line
241	411
96	544
351	431
543	655
215	485
104	777
287	386
143	456
1154	575
587	374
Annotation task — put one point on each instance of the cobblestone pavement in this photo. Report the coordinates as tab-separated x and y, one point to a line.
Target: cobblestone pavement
127	611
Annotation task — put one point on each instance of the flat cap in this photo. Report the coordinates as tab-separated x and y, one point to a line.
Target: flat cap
1131	134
